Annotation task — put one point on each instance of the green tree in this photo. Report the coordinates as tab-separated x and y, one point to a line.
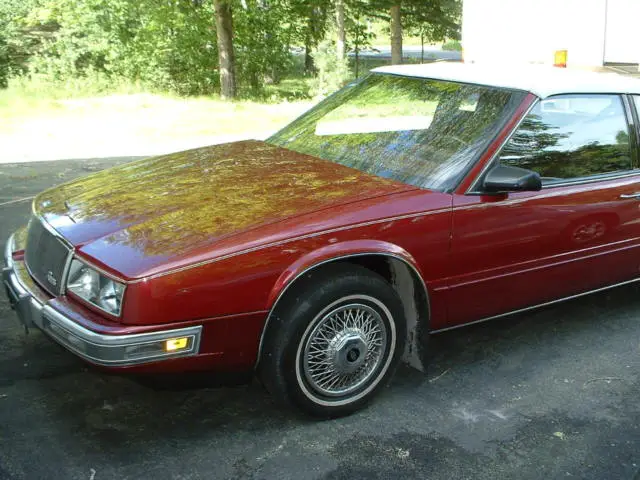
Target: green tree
226	54
311	24
395	27
432	19
200	46
341	31
19	38
167	45
264	35
358	15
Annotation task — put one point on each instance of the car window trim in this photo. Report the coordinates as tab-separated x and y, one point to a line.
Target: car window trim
603	177
635	124
633	135
499	128
490	164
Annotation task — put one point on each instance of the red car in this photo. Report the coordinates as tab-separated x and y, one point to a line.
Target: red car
418	199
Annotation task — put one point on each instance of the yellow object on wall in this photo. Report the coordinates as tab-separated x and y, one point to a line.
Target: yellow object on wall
560	58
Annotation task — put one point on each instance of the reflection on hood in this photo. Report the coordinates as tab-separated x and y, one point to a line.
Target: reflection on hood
165	205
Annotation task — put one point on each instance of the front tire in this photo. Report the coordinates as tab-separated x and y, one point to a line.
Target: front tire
334	342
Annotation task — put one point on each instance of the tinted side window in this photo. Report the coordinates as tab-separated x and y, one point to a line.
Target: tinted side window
571	136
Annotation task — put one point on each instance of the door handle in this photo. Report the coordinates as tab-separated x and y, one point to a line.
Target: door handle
630	195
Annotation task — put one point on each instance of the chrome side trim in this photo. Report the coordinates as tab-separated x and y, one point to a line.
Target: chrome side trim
324	262
558	259
605	177
534	307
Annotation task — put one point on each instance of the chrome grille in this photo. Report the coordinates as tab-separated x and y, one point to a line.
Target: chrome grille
46	256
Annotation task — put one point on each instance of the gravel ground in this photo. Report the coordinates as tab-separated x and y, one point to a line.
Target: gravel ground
550	394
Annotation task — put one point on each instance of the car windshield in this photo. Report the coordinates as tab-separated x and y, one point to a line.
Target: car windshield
418	131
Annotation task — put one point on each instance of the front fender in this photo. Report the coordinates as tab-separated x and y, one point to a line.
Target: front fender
333	252
414	348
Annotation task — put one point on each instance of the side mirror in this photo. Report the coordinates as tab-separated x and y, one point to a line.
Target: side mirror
504	178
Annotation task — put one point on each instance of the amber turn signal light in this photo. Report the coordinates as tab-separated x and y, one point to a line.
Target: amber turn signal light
175	344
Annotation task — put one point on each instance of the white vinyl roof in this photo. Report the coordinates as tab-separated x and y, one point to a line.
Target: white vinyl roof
540	80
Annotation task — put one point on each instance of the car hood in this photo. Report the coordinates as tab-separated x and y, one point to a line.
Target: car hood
134	218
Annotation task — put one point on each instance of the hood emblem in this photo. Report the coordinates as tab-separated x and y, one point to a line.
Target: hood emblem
51	279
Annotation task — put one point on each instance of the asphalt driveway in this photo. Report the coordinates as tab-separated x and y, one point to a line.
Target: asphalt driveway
550	394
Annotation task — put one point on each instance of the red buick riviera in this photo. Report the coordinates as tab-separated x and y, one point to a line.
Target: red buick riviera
419	199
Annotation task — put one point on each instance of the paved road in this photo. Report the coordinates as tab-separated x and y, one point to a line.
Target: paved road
551	394
411	51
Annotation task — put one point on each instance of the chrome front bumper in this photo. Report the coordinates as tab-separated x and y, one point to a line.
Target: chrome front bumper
33	309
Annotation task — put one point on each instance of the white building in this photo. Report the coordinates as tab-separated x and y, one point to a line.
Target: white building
594	33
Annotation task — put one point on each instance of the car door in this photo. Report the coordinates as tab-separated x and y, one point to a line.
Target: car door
579	233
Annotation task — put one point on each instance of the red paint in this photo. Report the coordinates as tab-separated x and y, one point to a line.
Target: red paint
534	247
219	344
167	212
398	223
478	255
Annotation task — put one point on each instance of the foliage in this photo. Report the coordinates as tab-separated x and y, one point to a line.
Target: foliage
452	45
331	73
163	44
357	19
310	22
16	41
433	21
171	45
263	40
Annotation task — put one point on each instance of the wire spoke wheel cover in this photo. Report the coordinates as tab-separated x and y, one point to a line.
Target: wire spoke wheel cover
346	350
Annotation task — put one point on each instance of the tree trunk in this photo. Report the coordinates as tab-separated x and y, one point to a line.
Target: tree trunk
396	34
226	57
309	43
356	47
341	41
309	66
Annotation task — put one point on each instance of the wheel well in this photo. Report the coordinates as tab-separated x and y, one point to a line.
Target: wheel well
409	286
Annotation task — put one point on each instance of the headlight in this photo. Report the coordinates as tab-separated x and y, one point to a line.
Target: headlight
95	288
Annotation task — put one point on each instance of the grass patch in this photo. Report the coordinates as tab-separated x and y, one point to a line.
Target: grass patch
47	105
99	117
44	121
36	97
29	101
